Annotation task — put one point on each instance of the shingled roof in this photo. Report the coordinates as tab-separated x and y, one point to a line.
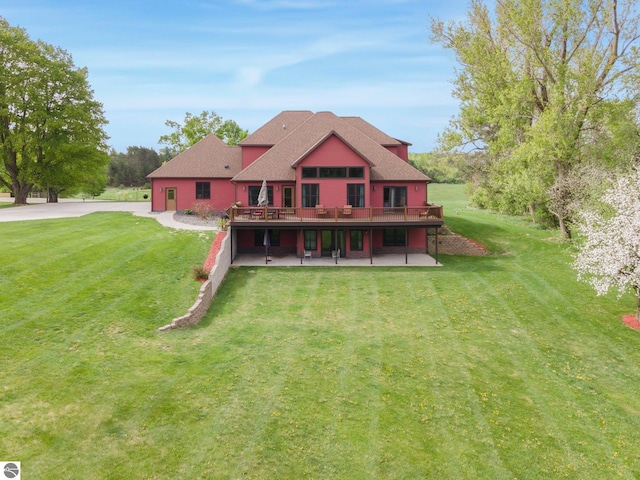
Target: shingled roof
277	163
277	128
209	158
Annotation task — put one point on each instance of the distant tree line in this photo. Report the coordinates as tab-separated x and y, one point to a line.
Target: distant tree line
131	168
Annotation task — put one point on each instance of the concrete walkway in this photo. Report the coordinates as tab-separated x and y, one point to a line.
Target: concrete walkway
38	209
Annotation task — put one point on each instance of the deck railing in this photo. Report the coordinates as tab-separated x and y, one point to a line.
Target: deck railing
337	214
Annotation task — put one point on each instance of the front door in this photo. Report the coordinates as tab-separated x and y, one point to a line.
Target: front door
170	199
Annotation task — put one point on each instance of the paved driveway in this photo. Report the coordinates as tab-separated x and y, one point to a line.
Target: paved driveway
39	210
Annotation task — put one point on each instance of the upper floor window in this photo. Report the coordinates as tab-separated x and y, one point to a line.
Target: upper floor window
356	172
309	172
255	191
355	194
332	172
310	194
203	190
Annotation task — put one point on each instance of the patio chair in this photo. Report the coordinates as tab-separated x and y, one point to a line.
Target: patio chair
320	211
346	211
307	254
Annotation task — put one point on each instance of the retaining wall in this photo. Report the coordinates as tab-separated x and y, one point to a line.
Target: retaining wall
208	289
451	244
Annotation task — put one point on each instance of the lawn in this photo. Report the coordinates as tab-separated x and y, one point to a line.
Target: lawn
495	367
133	194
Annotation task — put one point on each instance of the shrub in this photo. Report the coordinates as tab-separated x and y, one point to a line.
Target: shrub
223	224
187	211
203	210
199	273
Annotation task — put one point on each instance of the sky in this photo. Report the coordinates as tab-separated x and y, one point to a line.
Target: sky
150	61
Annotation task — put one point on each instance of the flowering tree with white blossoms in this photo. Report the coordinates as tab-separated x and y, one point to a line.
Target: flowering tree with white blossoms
610	255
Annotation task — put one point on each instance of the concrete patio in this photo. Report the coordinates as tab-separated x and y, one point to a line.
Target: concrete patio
380	260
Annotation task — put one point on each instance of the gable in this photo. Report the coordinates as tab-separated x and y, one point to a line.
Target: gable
333	151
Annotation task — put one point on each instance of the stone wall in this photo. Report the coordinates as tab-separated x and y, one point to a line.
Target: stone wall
451	244
208	290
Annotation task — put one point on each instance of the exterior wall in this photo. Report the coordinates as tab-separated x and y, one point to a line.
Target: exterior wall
333	191
250	154
401	151
222	192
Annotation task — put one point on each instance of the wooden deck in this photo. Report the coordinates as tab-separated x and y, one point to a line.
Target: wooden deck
429	215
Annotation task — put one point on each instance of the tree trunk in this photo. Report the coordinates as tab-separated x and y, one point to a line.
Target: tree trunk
564	228
52	195
21	192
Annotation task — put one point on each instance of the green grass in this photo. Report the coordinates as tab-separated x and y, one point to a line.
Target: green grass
122	194
495	367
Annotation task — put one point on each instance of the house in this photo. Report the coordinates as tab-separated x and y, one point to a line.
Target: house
337	186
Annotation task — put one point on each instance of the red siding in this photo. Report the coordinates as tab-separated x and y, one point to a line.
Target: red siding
222	193
333	191
250	154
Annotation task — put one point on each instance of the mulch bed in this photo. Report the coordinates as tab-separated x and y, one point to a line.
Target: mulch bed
213	251
631	321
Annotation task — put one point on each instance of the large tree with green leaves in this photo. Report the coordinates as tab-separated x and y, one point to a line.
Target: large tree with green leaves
195	128
51	128
537	79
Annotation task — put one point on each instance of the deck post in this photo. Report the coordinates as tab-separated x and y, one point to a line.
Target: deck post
426	239
231	232
406	244
437	228
371	246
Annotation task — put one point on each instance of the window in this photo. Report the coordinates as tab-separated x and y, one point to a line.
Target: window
394	237
356	172
395	196
203	190
333	172
309	172
355	194
310	240
258	238
356	239
255	191
310	194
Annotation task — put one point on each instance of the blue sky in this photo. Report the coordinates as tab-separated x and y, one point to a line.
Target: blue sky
247	60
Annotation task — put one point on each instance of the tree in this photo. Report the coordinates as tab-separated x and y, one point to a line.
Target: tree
610	255
132	168
51	128
533	82
196	128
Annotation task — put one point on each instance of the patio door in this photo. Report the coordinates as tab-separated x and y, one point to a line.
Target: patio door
288	197
329	239
170	199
